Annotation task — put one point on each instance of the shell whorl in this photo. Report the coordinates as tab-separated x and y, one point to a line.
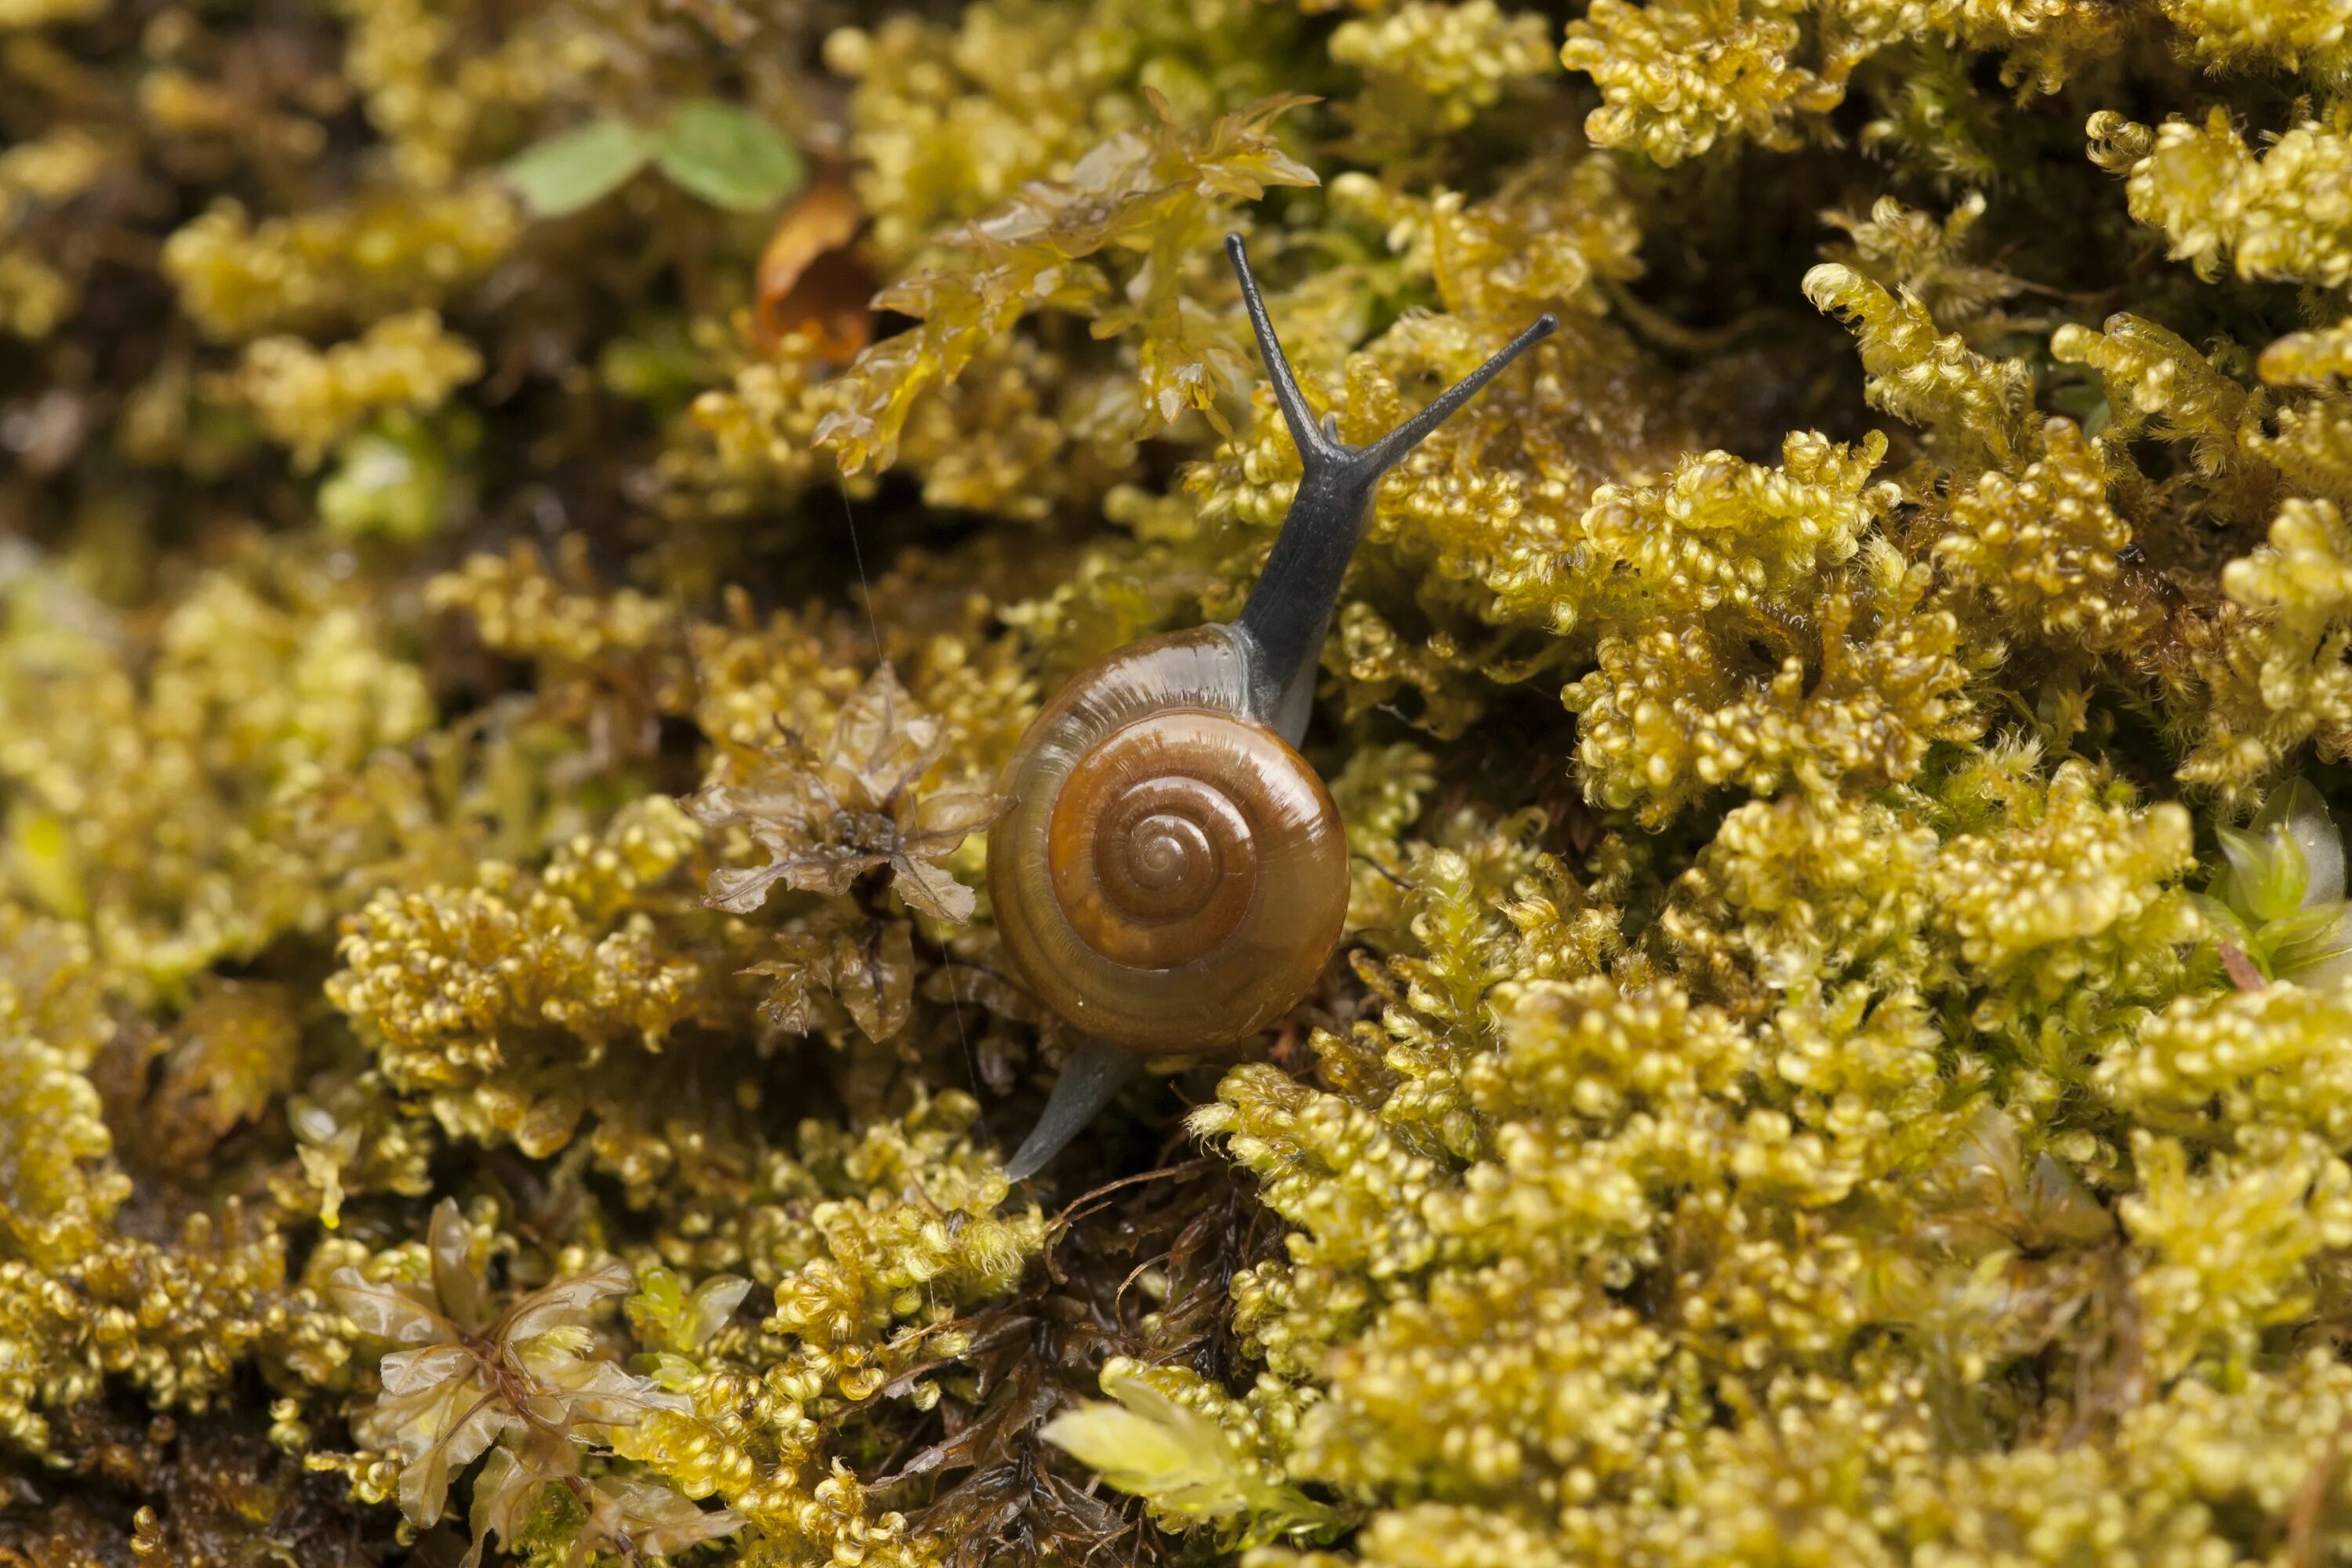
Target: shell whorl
1172	876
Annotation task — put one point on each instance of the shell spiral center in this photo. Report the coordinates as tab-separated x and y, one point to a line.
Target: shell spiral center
1154	846
1164	847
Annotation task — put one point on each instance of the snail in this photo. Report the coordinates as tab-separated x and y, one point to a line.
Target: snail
1170	875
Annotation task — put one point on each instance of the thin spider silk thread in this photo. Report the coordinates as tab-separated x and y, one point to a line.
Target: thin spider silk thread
873	628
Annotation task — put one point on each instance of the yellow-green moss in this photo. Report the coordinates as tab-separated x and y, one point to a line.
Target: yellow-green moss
1841	1054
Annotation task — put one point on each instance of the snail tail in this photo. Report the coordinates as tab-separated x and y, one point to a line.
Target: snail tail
1096	1072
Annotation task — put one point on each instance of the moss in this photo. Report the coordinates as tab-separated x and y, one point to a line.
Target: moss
1839	1053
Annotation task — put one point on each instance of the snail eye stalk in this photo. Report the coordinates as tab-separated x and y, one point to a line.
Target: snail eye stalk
1288	611
1320	446
1315	443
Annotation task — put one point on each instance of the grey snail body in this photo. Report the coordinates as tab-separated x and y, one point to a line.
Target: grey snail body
1172	876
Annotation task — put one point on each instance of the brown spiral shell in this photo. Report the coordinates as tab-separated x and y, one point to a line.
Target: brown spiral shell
1172	876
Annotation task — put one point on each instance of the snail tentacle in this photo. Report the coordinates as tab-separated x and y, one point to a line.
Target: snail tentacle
1385	453
1315	443
1289	611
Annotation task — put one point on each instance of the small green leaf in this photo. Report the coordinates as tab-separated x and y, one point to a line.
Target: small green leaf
2267	873
579	168
2311	946
2295	809
729	156
1180	1462
390	480
2223	923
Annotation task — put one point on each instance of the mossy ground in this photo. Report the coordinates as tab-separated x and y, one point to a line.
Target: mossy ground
530	530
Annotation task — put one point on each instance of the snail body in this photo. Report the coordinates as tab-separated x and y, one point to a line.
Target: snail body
1172	876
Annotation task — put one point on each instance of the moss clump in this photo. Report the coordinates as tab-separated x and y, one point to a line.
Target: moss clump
506	660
